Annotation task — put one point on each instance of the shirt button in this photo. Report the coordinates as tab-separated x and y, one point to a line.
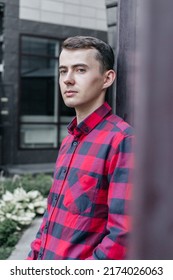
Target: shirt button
75	143
40	255
54	200
86	129
46	228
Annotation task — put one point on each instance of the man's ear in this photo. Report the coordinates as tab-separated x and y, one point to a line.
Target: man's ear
109	78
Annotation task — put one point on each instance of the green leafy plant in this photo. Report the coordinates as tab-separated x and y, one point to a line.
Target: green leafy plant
40	182
9	236
21	206
21	199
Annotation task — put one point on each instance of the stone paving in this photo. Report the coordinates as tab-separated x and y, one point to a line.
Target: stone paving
23	246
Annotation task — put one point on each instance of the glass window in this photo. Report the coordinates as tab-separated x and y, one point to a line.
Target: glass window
43	115
1	18
38	86
1	32
38	135
40	46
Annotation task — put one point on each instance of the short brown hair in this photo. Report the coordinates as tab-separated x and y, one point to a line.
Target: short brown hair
105	53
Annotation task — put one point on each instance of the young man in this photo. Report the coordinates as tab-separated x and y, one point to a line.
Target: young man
87	215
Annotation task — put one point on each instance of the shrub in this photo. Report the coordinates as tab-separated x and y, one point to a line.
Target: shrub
7	228
21	206
40	182
21	199
9	236
5	252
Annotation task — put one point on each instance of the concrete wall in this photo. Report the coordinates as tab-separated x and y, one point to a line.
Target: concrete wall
86	14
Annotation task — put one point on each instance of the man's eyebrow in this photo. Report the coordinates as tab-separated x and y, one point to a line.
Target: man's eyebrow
62	66
74	65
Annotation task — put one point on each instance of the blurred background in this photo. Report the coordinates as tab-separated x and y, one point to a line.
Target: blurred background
33	118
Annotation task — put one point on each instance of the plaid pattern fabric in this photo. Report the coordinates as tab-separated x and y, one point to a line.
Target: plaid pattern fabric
87	215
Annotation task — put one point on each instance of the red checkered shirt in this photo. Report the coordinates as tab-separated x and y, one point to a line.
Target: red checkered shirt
87	214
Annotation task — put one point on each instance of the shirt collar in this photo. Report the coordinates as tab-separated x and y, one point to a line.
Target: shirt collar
90	122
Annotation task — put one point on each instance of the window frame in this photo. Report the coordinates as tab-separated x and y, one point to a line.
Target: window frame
59	121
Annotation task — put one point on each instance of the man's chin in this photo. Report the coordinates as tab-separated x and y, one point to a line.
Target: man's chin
70	105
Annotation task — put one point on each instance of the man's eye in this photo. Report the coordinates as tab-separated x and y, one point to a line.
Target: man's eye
62	72
81	70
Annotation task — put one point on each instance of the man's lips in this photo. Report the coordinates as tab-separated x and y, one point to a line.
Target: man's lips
70	93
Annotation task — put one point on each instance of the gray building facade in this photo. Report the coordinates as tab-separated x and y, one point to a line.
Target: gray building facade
33	117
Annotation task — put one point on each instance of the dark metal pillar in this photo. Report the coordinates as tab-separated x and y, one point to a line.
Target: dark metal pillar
125	59
152	236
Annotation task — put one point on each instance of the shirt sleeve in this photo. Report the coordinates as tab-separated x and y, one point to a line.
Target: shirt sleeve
35	245
114	244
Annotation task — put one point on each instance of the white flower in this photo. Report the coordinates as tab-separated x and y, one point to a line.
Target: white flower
8	196
9	215
40	210
7	207
30	206
33	194
21	206
20	195
41	203
24	218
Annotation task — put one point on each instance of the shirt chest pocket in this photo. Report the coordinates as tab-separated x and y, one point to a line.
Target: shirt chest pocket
80	198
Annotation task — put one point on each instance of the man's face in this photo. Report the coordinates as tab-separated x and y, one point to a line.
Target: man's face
81	80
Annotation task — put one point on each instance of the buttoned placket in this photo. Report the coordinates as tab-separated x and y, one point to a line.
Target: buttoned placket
40	254
63	173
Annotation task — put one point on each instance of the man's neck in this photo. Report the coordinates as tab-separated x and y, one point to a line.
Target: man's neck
82	114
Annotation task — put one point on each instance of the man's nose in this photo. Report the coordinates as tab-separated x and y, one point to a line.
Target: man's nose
69	78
